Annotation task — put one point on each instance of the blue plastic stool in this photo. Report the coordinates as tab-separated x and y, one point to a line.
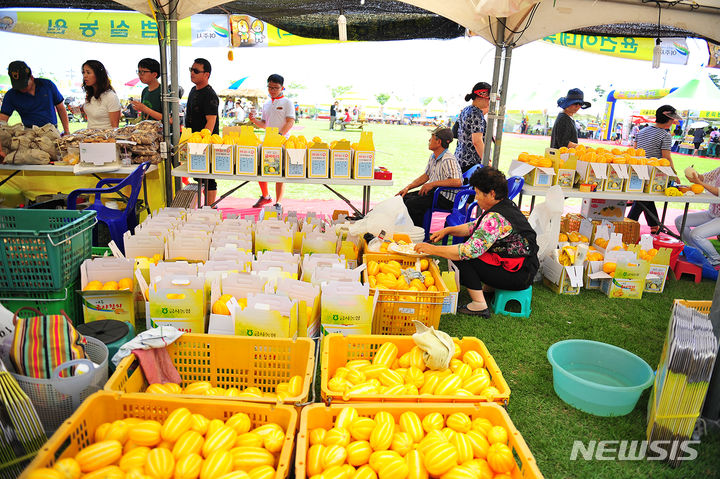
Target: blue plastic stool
502	297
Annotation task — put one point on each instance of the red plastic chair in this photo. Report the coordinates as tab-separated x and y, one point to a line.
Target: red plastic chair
117	221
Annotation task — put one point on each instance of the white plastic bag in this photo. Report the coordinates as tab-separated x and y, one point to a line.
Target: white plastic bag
545	220
388	215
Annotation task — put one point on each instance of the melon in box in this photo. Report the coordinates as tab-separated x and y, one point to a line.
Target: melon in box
592	173
629	279
534	175
318	160
637	176
659	177
223	159
659	264
562	279
295	164
616	176
114	303
268	315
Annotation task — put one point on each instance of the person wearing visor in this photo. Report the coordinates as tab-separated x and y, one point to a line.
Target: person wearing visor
471	127
442	170
656	141
36	100
564	131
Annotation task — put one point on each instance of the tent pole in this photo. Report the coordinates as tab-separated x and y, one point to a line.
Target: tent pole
492	113
501	109
162	19
175	92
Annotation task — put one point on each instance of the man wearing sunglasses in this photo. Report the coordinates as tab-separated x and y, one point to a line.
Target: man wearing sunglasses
278	112
202	109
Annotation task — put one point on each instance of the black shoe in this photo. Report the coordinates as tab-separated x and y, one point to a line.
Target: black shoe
485	313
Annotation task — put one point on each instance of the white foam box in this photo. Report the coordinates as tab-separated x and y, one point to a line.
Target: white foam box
596	209
99	154
199	157
223	159
246	160
363	165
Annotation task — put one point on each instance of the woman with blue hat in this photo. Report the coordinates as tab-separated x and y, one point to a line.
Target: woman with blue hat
564	132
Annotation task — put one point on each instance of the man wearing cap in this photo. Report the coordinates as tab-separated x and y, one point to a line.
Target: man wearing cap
35	99
442	169
564	132
656	141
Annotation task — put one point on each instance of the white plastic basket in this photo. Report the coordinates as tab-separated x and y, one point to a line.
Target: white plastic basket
55	399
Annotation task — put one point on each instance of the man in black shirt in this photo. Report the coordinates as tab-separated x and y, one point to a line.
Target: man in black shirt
202	109
333	115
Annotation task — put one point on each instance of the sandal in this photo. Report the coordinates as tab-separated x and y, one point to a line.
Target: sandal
485	313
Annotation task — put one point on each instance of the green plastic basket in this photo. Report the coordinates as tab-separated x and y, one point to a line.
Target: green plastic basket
41	250
47	302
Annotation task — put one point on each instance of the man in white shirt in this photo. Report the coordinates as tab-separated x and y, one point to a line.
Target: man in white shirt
278	112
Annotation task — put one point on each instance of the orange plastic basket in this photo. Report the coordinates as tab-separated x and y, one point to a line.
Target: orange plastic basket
395	310
319	415
338	350
229	361
78	431
701	306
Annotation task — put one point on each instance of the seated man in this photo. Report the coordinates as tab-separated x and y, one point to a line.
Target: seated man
442	169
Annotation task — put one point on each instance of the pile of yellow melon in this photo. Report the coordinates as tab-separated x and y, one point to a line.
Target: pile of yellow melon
283	390
124	284
185	445
455	446
390	374
573	237
535	160
389	276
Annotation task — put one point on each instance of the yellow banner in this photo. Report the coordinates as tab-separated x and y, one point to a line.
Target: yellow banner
625	47
709	114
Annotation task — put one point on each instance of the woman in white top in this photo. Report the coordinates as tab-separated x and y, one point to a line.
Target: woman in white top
102	106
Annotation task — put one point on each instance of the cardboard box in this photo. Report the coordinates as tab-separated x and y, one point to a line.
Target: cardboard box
107	304
271	161
534	176
363	165
592	173
591	268
347	308
452	281
295	163
318	161
223	159
659	177
565	178
637	175
616	176
199	157
99	154
562	279
340	163
178	301
595	209
629	280
269	316
246	160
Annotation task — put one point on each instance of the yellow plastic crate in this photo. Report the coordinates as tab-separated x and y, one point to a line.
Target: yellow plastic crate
319	415
229	361
338	350
78	431
702	306
396	309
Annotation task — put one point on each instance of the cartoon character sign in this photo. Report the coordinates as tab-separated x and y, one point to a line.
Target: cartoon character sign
243	30
258	26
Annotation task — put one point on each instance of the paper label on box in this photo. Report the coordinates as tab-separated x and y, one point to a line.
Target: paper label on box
599	169
519	168
247	160
272	161
667	170
655	280
364	164
586	228
319	163
341	163
642	171
117	305
620	170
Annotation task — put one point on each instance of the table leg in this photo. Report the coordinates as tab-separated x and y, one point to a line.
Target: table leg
200	183
532	203
661	227
225	195
520	197
10	176
366	199
664	212
145	197
345	200
682	225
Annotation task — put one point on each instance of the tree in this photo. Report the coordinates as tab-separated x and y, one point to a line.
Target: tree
382	98
425	101
599	93
339	90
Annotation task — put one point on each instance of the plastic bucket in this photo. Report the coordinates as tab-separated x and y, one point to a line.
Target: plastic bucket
666	241
598	378
55	399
